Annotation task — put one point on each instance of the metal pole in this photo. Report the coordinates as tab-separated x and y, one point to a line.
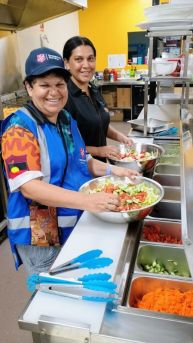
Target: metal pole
145	107
187	94
150	57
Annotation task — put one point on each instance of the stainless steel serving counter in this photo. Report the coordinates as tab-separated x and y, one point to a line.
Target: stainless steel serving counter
55	319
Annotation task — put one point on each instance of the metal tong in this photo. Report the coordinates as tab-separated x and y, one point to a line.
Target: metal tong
90	281
90	260
101	296
93	287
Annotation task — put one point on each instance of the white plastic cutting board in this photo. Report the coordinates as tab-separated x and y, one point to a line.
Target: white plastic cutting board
89	233
166	112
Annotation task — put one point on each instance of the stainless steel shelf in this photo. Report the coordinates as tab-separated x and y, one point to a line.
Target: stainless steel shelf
168	78
172	32
186	35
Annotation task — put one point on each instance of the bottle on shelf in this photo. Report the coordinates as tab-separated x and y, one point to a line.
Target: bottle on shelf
111	76
115	74
123	74
132	71
106	74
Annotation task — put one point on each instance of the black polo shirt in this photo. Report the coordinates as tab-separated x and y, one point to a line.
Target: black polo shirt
91	114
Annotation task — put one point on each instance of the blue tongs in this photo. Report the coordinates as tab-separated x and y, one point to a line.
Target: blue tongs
91	287
90	260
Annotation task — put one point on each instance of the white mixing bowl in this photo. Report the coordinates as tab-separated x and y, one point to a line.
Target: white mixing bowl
163	67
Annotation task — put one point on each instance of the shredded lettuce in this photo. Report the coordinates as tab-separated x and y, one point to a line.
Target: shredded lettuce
132	190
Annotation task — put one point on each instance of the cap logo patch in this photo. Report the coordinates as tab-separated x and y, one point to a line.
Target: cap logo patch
54	57
41	58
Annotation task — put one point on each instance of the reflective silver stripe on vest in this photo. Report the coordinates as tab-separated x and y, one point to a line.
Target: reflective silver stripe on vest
67	221
44	156
23	223
19	223
45	159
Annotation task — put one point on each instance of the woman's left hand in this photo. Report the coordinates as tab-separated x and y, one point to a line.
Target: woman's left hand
127	140
120	171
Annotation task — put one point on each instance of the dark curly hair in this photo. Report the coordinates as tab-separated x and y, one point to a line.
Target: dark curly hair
73	43
56	72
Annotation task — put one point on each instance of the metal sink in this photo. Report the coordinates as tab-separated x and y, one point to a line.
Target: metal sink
172	193
168	169
167	180
167	210
170	160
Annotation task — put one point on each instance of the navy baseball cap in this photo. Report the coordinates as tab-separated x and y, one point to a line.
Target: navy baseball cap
42	60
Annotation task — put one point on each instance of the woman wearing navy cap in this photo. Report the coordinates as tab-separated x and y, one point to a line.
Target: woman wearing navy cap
46	162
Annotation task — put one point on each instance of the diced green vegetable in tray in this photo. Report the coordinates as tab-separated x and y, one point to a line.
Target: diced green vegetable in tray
160	268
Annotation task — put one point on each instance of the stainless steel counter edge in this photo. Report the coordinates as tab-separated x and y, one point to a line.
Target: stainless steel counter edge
126	82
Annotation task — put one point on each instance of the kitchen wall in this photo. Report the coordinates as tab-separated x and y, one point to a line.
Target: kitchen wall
10	72
107	22
57	32
14	48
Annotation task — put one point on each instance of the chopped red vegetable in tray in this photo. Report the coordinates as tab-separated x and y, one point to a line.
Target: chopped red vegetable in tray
152	233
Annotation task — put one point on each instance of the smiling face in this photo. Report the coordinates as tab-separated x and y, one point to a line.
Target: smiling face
49	94
81	65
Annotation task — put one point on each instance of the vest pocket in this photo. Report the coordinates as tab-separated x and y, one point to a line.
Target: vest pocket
44	225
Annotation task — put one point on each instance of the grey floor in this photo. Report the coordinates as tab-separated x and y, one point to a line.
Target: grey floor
13	298
13	293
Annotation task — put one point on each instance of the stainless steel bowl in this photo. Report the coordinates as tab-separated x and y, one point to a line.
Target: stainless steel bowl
127	216
144	167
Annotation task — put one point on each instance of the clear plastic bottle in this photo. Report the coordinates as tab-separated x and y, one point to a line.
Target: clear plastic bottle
111	77
123	74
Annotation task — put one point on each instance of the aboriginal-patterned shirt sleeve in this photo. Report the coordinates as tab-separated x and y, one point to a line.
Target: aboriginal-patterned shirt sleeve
21	155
